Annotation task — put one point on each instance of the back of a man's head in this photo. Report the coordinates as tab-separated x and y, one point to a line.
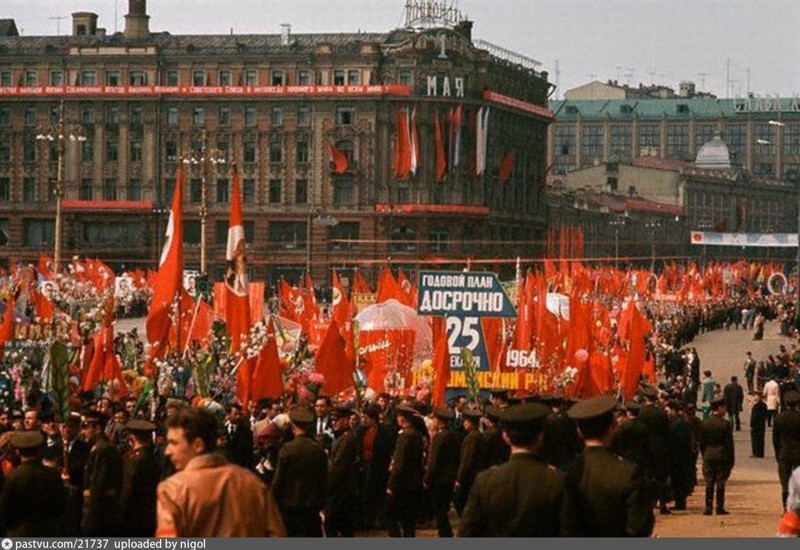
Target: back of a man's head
196	423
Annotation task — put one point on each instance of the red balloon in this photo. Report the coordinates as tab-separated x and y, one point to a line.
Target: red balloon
581	355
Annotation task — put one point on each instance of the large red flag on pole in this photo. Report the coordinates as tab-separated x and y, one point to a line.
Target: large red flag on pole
267	380
237	313
333	362
169	279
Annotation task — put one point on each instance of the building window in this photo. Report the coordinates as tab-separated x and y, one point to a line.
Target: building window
136	150
137	114
87	114
112	115
343	192
593	138
276	118
171	150
5	189
249	191
30	116
86	189
304	78
225	78
113	233
302	152
288	235
113	78
39	232
222	191
5	115
621	141
134	190
703	133
353	77
678	141
275	150
403	194
344	236
403	239
87	151
191	232
249	151
250	116
110	189
301	192
173	78
138	78
791	139
198	116
5	148
28	189
250	78
439	241
88	78
345	116
54	115
304	116
29	149
4	239
112	150
277	78
224	148
224	116
275	191
195	190
172	116
649	139
735	138
31	79
198	78
405	78
56	78
5	79
338	78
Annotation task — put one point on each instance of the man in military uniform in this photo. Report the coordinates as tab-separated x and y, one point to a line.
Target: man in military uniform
496	449
716	445
631	438
34	499
654	417
404	490
524	497
342	503
301	478
499	398
607	495
561	440
141	473
472	457
440	472
102	481
786	441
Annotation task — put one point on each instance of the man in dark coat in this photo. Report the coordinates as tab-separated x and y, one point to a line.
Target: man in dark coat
342	503
716	445
786	441
733	394
654	417
239	442
524	497
758	424
680	454
141	473
441	469
497	451
607	495
404	489
102	482
301	478
561	440
472	457
631	439
376	441
33	501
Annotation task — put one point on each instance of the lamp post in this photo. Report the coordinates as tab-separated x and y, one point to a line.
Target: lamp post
204	158
617	222
653	225
59	133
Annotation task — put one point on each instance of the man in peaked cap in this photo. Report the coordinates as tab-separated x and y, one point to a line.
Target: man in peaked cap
786	441
441	469
523	497
301	478
404	489
607	495
342	501
32	513
499	398
472	459
141	473
657	467
497	450
716	445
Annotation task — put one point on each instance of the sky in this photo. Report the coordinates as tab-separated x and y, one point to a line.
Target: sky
727	47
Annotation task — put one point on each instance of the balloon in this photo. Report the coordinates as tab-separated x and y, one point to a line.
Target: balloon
581	355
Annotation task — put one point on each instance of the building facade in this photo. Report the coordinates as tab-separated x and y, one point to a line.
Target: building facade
281	107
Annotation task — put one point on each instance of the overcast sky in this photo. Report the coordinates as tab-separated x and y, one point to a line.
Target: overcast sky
633	41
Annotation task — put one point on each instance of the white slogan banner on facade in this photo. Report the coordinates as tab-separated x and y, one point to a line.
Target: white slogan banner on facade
753	240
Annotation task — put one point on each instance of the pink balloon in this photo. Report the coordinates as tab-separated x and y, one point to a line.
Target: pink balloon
581	355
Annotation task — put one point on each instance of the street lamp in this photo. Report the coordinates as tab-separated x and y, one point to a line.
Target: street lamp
616	223
652	225
204	158
59	133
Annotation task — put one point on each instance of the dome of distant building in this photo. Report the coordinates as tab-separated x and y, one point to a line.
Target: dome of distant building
714	155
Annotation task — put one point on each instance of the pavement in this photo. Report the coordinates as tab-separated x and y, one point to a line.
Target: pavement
753	492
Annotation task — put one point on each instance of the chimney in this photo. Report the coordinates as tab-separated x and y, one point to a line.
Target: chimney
84	23
286	34
464	28
137	22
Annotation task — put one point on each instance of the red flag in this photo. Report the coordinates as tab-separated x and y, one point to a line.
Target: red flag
169	279
267	380
333	363
340	303
441	159
200	329
360	286
7	329
339	159
237	310
388	289
441	361
104	366
287	300
636	356
402	156
507	167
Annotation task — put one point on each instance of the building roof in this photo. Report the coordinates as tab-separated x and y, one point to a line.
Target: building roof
8	27
658	163
714	155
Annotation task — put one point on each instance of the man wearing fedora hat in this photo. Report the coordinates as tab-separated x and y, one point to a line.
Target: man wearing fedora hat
523	497
786	441
404	489
441	469
716	446
607	495
33	500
